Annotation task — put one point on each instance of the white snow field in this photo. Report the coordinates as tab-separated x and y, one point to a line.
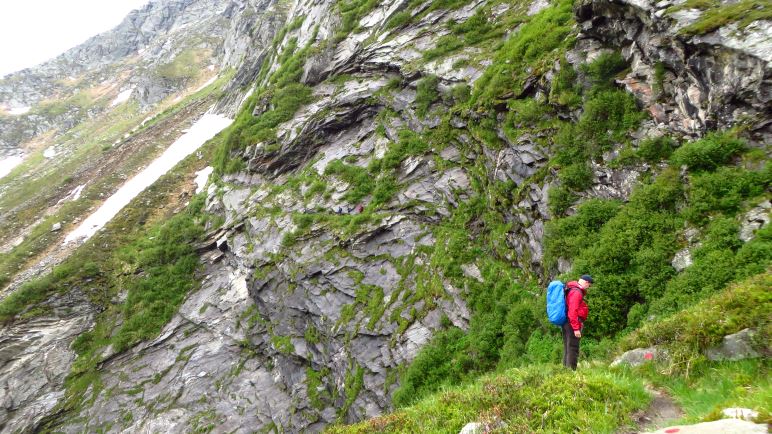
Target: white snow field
201	177
203	130
8	163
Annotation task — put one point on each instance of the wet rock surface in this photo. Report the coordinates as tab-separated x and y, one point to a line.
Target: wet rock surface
35	358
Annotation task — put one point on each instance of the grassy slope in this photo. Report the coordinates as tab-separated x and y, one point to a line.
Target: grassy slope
547	398
94	164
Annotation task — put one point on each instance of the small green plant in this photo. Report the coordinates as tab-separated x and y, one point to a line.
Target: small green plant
426	94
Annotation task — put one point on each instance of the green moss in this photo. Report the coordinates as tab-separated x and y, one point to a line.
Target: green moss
283	344
314	382
354	381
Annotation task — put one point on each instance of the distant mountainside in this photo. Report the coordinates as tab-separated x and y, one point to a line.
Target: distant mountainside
400	181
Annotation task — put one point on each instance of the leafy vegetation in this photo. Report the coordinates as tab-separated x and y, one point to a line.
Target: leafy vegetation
688	333
717	14
426	94
537	45
278	100
631	246
535	399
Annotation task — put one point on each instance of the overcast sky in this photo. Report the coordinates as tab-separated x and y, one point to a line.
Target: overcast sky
33	31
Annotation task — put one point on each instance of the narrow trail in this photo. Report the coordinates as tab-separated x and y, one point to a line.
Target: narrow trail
659	413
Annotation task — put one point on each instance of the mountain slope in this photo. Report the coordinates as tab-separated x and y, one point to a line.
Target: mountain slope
388	183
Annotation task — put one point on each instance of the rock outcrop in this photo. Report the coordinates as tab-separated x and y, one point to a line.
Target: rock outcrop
311	301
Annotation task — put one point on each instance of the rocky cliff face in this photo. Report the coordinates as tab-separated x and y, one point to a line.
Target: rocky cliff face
308	306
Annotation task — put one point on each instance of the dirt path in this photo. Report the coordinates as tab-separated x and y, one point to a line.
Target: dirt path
659	413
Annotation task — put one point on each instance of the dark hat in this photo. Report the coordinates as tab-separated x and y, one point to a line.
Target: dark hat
586	277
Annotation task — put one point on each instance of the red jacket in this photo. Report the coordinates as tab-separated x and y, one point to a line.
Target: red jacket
577	308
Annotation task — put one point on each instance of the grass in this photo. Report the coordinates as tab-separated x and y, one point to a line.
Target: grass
24	198
536	399
717	14
687	334
533	50
712	387
185	66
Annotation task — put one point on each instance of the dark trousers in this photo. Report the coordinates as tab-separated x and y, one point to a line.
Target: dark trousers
570	347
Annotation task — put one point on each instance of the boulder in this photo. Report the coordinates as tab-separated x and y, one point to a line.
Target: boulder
682	260
639	356
740	413
737	346
754	220
723	426
471	428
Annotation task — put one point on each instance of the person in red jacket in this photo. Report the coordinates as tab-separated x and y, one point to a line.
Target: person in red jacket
577	312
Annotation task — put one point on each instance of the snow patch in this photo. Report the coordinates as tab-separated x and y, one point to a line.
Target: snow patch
73	195
8	163
202	176
50	152
16	111
203	130
122	97
208	82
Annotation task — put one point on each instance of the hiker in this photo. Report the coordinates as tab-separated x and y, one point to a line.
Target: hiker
359	208
576	311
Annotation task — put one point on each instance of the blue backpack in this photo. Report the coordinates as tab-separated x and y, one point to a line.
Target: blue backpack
556	303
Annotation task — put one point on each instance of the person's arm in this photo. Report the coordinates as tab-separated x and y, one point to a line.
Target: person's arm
573	299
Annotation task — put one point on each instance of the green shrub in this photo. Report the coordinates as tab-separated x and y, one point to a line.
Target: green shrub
426	94
688	333
434	366
560	199
606	119
577	176
723	191
602	71
714	150
656	149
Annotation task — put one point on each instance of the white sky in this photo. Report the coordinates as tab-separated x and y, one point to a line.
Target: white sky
33	31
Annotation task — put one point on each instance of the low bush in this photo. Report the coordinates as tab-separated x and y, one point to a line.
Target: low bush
541	398
708	153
